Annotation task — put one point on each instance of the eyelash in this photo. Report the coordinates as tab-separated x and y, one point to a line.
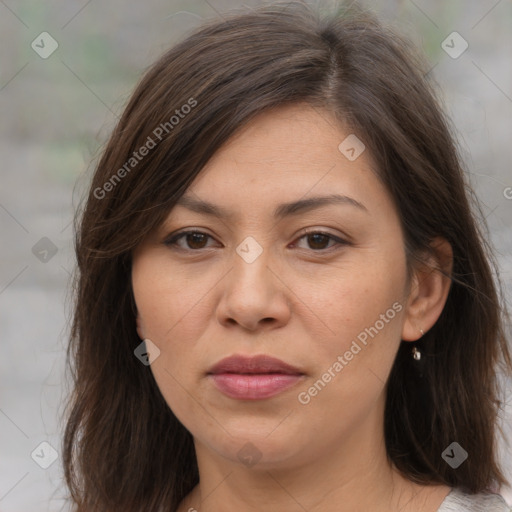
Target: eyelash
173	239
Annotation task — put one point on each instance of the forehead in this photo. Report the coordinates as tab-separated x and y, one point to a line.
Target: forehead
285	155
283	132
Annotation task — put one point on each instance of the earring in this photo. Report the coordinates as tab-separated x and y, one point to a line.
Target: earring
416	354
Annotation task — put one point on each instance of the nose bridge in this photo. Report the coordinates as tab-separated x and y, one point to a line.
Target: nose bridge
252	292
250	250
251	265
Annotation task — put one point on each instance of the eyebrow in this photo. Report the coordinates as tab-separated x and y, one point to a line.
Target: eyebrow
280	212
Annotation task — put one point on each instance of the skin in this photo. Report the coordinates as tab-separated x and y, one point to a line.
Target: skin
303	300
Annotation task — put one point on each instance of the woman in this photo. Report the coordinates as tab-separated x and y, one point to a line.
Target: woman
284	301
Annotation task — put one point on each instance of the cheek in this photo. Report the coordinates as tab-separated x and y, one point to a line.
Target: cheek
364	315
363	299
364	310
173	310
167	302
167	306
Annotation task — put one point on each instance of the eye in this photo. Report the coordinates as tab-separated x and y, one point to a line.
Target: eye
195	240
317	240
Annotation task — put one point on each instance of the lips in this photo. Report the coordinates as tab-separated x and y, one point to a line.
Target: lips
253	378
253	365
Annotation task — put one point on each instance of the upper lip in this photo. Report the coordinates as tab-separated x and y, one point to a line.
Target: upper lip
261	364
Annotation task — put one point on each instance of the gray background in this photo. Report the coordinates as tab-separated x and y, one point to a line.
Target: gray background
56	113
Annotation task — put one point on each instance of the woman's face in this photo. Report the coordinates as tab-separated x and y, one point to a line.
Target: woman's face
331	304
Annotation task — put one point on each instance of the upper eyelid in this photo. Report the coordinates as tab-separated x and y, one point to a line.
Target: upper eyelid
176	236
172	238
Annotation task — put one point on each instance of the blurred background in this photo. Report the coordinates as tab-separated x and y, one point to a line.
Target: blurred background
66	70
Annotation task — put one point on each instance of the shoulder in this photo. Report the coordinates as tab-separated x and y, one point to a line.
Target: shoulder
459	501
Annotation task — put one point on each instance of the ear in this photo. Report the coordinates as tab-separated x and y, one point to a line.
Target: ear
140	329
428	291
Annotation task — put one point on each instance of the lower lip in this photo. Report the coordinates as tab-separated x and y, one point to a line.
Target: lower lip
253	386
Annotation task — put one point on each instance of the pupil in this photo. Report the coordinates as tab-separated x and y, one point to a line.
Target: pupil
317	236
195	237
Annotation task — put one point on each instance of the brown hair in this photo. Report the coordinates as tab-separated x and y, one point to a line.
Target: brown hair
123	448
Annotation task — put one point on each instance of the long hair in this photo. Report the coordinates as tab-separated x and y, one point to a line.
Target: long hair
123	448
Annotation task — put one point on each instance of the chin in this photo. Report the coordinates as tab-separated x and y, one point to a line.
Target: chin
260	450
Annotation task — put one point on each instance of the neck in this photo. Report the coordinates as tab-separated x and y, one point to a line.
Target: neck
355	476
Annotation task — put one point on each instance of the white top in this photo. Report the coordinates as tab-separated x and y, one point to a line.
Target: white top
459	501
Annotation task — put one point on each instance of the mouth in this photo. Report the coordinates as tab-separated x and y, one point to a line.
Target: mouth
253	378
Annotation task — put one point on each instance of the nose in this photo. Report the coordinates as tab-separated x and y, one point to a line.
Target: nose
254	295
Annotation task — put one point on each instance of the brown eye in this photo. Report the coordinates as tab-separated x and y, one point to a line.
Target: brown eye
319	241
194	240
